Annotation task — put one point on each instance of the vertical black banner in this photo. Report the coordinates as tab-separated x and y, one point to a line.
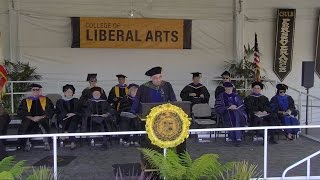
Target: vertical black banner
282	64
317	58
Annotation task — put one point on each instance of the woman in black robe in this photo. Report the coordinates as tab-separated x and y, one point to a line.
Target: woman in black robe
129	123
259	110
68	112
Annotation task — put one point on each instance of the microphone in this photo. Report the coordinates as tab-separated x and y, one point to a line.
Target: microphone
162	94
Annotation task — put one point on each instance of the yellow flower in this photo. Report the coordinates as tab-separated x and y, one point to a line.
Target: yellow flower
167	125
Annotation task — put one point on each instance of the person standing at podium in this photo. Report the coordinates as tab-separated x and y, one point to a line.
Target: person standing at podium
153	91
195	92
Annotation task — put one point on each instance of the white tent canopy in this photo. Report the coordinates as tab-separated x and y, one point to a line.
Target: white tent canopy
40	33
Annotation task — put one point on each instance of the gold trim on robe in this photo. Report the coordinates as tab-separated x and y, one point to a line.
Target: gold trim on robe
43	102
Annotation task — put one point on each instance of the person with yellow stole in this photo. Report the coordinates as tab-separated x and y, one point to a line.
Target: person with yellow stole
118	91
35	111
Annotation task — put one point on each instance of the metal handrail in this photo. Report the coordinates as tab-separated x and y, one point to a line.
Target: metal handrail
300	162
304	93
56	135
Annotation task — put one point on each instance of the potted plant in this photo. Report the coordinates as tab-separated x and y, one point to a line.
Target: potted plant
243	69
19	71
175	166
10	169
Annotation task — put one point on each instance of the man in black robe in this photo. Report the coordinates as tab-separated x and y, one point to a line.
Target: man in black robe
86	93
195	92
35	112
118	91
226	77
4	122
260	112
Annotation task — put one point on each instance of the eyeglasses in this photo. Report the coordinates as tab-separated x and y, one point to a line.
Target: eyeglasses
35	89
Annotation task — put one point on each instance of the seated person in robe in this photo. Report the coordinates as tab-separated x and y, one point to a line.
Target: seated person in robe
4	122
283	105
67	110
259	111
195	92
230	106
86	93
98	112
35	111
118	91
226	77
129	123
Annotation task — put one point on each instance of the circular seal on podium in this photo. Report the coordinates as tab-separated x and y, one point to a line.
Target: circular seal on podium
167	125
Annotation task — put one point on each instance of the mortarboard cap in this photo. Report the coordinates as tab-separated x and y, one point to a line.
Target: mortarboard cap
120	76
282	87
257	83
68	86
154	71
91	76
93	89
226	73
35	85
196	74
227	84
133	85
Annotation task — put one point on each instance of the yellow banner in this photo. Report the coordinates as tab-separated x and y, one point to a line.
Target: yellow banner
96	32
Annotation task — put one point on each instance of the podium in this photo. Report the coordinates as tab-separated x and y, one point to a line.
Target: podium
145	141
146	107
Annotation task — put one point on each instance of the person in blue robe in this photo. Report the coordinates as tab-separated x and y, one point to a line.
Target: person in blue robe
230	106
195	92
283	105
226	77
68	112
153	91
156	90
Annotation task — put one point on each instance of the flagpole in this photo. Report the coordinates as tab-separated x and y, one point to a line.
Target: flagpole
256	59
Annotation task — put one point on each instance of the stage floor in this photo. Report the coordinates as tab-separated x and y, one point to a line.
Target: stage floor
95	164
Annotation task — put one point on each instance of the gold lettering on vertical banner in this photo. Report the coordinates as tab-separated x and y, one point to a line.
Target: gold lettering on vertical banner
98	32
284	42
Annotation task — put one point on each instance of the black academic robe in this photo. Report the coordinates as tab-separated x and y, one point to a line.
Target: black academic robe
258	102
148	93
4	122
32	107
87	94
36	108
198	89
63	107
122	90
125	104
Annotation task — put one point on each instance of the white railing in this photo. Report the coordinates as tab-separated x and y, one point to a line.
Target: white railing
300	162
265	149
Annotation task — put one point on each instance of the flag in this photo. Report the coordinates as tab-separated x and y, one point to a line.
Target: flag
3	80
256	58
